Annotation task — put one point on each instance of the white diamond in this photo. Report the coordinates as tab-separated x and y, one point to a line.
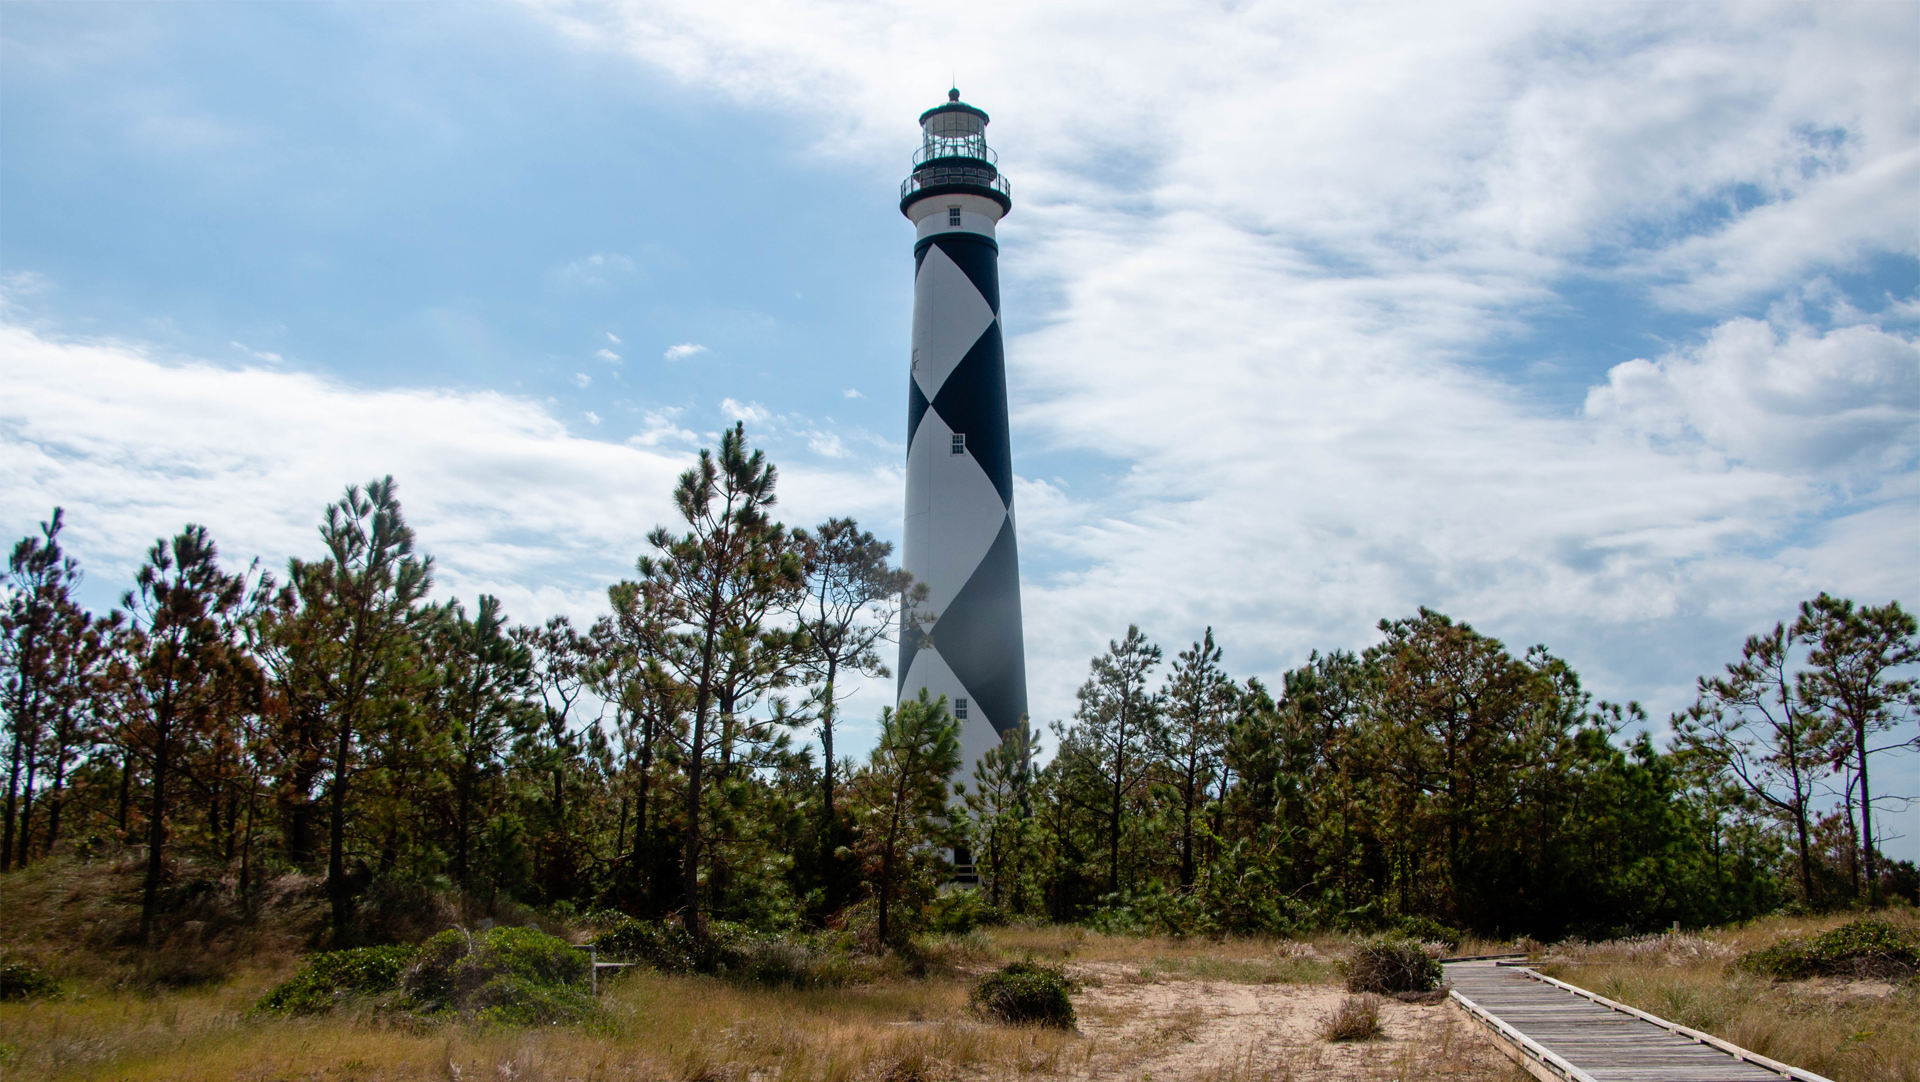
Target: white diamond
949	316
953	512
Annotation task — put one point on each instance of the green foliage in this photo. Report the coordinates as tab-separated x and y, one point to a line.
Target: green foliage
509	976
1428	930
1026	993
730	950
1868	947
957	912
325	979
24	980
1392	967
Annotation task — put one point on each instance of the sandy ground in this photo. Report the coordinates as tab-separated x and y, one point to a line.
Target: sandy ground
1163	1030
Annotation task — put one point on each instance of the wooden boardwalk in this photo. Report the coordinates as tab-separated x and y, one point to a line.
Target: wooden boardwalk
1559	1032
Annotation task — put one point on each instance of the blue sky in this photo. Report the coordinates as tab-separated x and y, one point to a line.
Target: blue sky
1590	325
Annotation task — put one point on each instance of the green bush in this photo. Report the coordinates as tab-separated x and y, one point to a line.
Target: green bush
957	912
1392	967
1428	930
24	980
1024	993
1869	947
664	946
325	979
514	976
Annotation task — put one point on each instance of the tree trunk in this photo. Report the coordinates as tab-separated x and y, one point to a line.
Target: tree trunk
1866	815
156	831
337	832
826	743
13	788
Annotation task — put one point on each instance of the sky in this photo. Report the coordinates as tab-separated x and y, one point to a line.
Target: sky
1595	326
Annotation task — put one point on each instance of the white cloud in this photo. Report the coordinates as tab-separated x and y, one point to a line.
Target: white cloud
614	338
581	379
134	448
851	393
591	273
684	350
607	355
258	355
1790	399
751	412
592	417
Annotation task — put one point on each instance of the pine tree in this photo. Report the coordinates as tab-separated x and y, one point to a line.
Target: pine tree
1850	679
1117	722
184	666
1756	724
903	807
1201	701
344	643
703	591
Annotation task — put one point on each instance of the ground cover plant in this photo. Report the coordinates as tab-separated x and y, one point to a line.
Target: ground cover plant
1026	993
1861	948
1393	967
518	976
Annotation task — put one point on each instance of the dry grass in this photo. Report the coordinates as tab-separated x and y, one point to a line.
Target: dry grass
1850	1031
1237	960
652	1026
1356	1019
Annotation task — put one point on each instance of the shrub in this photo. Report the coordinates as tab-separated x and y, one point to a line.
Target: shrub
1428	930
1869	947
1356	1019
664	946
1392	967
957	912
514	976
24	980
1026	993
324	979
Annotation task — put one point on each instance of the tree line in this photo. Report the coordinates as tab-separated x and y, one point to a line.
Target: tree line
334	721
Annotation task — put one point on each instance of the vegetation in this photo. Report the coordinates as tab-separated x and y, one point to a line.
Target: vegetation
329	756
1026	993
1356	1019
1861	948
1392	967
24	980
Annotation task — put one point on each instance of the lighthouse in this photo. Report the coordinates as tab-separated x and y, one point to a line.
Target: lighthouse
964	641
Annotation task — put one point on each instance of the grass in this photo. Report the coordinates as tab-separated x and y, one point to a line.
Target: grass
1356	1019
1850	1031
1237	960
649	1026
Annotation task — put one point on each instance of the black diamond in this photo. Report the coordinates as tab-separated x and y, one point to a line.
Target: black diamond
978	258
974	400
979	635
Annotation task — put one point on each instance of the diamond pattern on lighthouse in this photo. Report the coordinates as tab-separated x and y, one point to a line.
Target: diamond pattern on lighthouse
959	523
949	315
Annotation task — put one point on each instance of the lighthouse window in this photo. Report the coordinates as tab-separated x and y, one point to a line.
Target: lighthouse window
953	215
959	443
960	709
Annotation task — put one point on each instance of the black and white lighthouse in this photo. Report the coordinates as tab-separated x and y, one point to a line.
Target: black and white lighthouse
959	522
